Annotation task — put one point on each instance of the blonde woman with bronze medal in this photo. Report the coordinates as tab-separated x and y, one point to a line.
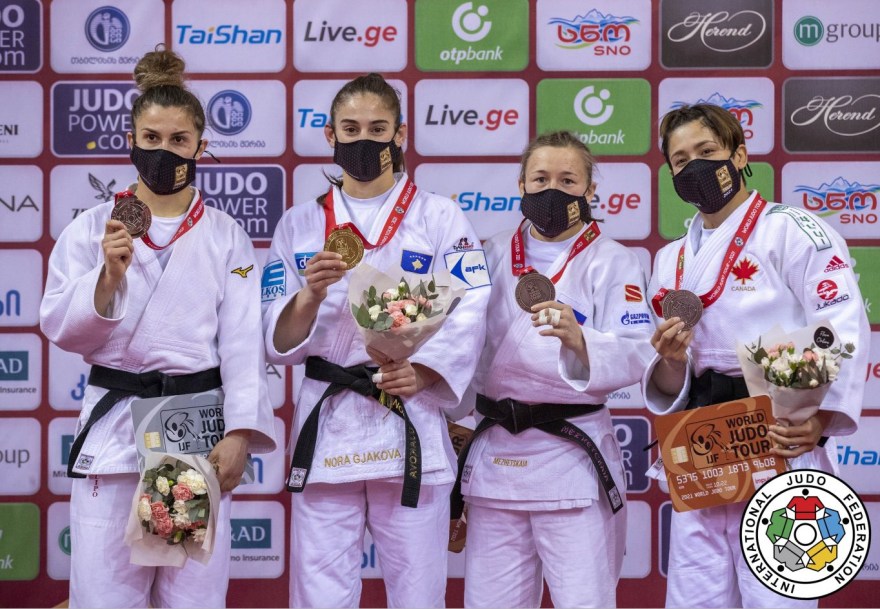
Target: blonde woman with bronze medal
157	292
744	266
542	479
356	464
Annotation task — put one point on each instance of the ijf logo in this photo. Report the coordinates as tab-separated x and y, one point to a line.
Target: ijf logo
805	534
229	112
107	29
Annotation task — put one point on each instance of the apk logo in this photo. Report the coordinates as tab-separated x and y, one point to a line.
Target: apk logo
251	533
229	112
14	365
107	29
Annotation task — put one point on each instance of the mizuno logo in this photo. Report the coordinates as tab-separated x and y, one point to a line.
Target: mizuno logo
243	272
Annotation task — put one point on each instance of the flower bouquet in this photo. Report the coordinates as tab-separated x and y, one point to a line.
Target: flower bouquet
173	514
795	370
395	318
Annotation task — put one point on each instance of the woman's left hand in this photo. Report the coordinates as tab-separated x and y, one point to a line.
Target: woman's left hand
561	323
796	440
404	379
229	458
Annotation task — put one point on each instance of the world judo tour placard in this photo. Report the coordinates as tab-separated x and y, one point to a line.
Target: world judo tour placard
717	454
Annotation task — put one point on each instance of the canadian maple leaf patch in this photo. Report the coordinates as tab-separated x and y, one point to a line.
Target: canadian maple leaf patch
744	270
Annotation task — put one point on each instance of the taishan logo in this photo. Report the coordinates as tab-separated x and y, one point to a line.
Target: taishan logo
606	34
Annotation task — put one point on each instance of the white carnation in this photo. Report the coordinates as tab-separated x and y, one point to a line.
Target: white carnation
181	521
421	317
194	480
144	511
411	309
162	485
199	535
180	507
374	312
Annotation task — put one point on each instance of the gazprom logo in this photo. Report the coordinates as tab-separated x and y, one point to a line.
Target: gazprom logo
229	112
251	533
107	29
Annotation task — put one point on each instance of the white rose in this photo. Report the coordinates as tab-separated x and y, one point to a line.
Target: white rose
421	317
374	312
194	480
144	511
410	309
162	485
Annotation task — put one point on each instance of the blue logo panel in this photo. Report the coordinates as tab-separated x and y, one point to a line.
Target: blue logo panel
414	262
274	281
250	533
469	268
229	112
13	365
302	259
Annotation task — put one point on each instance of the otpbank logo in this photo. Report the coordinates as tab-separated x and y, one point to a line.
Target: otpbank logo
843	194
602	35
463	36
611	116
754	109
345	36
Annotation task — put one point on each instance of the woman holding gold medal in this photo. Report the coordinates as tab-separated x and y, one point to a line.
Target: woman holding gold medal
542	477
154	291
355	462
788	253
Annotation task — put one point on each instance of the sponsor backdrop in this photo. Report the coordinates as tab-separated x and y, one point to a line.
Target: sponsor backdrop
478	78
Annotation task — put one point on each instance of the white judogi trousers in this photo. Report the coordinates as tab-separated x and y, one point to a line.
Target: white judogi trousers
328	523
101	573
707	568
581	551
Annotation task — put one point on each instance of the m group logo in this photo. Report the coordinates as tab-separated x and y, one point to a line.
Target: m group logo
21	36
805	534
104	38
605	36
344	36
834	35
218	36
755	112
610	116
471	117
20	456
482	35
837	114
843	194
716	34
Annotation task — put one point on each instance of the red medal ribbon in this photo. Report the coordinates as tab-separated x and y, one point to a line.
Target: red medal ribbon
740	238
195	214
395	218
518	251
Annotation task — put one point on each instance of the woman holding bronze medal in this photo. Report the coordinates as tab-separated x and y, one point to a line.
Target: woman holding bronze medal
153	290
781	255
359	462
542	477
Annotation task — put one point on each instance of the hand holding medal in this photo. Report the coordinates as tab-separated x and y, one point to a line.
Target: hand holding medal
344	242
683	304
134	214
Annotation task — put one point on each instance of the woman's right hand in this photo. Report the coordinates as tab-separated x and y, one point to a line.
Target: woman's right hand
118	249
671	340
323	270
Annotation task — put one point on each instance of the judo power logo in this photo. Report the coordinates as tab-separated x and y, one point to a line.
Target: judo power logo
805	534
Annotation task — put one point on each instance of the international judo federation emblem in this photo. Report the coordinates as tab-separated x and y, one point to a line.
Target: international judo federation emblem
805	534
297	477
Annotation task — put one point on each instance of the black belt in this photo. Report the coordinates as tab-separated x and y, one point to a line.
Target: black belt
715	388
516	417
360	380
122	384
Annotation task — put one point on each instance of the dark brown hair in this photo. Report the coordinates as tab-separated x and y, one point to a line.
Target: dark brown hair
159	77
558	139
721	122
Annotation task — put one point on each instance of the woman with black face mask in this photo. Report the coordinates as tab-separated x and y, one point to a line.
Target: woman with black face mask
160	294
357	464
746	265
542	478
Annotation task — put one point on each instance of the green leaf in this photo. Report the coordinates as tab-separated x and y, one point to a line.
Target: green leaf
846	356
372	293
849	347
362	316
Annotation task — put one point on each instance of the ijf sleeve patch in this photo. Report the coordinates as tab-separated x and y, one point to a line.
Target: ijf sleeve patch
469	268
807	224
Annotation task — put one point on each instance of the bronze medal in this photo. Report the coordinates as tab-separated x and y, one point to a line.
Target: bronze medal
135	214
348	245
533	288
683	304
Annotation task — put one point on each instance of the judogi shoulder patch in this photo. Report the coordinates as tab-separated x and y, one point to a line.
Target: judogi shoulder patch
469	268
806	223
274	281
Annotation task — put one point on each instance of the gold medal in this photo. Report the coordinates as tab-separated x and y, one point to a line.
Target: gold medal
348	245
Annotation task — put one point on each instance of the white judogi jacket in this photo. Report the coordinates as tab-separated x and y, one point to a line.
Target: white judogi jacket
789	254
358	439
194	315
533	469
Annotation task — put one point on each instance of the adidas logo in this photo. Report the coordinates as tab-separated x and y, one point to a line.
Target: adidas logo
836	264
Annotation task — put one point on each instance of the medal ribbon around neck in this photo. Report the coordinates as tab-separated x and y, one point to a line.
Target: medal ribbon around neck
740	238
392	223
196	211
518	251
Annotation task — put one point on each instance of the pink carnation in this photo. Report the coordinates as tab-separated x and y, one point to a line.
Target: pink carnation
394	307
399	319
809	356
164	526
182	492
160	510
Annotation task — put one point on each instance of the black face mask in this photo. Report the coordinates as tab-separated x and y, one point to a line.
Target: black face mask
162	171
553	211
366	160
708	185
